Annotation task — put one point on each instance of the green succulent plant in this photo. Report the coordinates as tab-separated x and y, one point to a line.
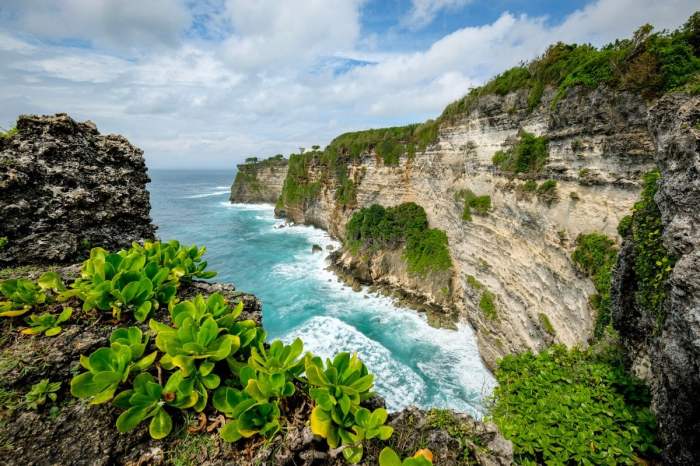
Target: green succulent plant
22	295
388	457
47	323
41	392
248	416
193	347
184	262
338	388
107	368
142	402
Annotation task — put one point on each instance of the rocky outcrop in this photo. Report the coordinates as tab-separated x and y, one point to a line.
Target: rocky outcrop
259	181
667	353
64	188
599	146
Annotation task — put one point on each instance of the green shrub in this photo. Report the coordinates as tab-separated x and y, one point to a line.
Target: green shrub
47	323
480	204
375	227
649	63
41	392
9	134
388	457
596	255
22	295
547	191
528	155
624	228
572	407
546	323
652	262
487	305
3	242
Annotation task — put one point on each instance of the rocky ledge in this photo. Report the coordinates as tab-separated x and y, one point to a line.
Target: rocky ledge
65	188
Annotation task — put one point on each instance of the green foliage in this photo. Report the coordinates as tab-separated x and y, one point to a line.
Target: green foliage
652	262
41	392
547	191
480	204
9	134
376	227
107	368
530	186
572	407
338	388
22	295
47	323
596	255
138	279
144	401
487	305
298	187
474	283
3	242
528	155
649	63
546	323
388	457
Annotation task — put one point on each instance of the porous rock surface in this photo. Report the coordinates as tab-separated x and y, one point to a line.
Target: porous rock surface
669	357
65	188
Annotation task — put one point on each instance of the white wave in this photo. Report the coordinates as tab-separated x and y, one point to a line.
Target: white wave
223	187
326	336
215	193
256	207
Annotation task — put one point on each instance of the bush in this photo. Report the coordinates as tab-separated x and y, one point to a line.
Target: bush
528	155
9	134
480	204
546	323
649	63
375	228
487	305
596	255
572	407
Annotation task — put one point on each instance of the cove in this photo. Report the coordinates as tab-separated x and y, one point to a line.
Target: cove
414	363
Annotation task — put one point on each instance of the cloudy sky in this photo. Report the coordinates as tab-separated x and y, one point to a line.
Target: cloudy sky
206	83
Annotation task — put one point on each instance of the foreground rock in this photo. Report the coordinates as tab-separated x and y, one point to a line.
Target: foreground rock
64	188
668	356
77	433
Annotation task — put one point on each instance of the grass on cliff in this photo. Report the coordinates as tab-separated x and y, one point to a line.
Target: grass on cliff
9	133
650	63
480	205
528	155
573	407
596	255
375	227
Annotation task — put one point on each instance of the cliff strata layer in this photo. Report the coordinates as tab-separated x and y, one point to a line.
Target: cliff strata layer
259	181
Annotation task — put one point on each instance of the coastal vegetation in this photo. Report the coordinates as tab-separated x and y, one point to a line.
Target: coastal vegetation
480	205
198	354
596	255
406	225
528	155
650	63
573	407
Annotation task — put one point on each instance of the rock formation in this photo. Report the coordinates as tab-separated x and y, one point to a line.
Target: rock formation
259	181
666	350
64	189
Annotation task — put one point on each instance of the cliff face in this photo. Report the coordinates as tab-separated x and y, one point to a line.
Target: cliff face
259	181
599	146
64	188
666	351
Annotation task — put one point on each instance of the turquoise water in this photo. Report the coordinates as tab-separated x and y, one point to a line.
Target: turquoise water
414	363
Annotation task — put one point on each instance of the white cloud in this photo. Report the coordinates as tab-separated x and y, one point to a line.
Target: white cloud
273	84
113	23
423	12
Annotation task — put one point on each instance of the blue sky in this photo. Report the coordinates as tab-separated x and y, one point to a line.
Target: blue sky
207	83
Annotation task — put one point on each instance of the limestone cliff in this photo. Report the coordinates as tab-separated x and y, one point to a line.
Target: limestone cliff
599	146
664	344
259	181
64	188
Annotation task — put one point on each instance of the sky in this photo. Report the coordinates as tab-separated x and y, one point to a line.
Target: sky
205	84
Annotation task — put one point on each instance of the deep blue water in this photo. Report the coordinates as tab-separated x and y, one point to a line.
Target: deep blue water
413	362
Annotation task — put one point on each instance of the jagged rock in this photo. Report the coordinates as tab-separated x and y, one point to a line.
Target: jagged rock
64	188
316	248
669	357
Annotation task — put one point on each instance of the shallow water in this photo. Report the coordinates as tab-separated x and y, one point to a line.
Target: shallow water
415	364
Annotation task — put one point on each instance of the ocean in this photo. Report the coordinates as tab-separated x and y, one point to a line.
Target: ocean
413	363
